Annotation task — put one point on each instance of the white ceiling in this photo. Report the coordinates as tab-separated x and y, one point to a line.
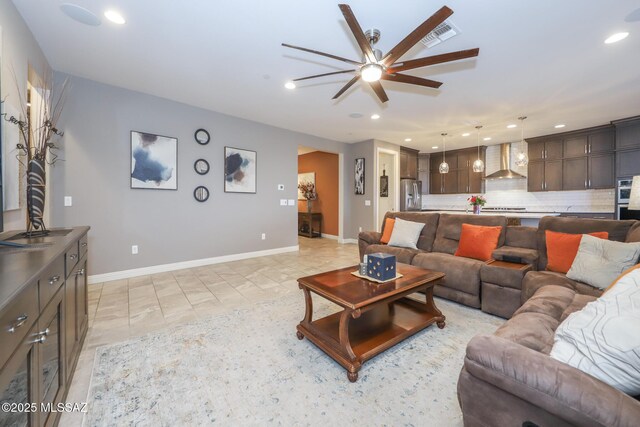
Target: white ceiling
543	59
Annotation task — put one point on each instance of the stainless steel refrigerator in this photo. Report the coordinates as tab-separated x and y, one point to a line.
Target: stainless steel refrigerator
410	195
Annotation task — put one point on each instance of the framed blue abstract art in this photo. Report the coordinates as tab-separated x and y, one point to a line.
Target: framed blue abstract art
239	170
154	161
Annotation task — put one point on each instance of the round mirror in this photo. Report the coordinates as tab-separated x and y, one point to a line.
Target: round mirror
201	166
202	137
201	194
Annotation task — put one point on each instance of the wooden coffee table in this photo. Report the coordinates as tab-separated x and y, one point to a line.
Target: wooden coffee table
375	316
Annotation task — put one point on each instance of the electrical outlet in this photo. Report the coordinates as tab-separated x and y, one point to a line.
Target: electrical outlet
134	250
292	202
283	202
264	236
359	229
68	201
367	202
280	187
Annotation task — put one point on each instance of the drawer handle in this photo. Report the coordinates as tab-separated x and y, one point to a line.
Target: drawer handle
20	321
80	272
83	244
73	256
54	279
42	337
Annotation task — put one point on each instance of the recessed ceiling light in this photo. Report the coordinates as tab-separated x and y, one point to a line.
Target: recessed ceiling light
559	126
435	147
486	138
466	134
375	116
616	37
80	14
511	126
290	85
114	17
407	140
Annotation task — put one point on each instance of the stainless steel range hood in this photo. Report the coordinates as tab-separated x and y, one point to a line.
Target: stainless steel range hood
505	171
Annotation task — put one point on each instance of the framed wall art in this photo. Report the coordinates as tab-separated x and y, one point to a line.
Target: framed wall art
304	178
239	170
359	176
154	161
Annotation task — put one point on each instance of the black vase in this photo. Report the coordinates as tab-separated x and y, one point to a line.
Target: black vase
36	179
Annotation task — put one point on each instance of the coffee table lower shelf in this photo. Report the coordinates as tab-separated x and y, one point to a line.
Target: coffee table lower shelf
352	337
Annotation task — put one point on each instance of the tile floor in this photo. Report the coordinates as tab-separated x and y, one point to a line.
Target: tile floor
127	308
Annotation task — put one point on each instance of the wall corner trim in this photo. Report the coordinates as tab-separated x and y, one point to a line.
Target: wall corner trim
125	274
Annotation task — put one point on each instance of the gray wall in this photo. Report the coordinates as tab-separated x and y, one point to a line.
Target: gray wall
170	226
359	215
19	49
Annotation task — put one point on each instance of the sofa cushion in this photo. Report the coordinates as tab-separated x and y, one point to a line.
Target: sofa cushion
428	234
562	248
387	229
599	262
462	274
403	255
634	233
521	237
511	253
405	234
503	276
450	228
535	280
617	230
602	339
478	241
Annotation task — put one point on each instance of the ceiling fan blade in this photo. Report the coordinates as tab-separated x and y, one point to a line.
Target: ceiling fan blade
432	60
377	88
347	86
414	37
364	44
328	55
322	75
405	78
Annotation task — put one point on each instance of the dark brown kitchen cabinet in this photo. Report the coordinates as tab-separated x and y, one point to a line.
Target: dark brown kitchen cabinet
628	163
535	176
575	146
76	311
435	183
601	171
451	183
545	150
553	175
461	179
574	173
627	134
408	163
602	142
51	358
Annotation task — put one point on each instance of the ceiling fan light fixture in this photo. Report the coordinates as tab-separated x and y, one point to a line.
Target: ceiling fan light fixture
290	85
114	16
371	72
616	37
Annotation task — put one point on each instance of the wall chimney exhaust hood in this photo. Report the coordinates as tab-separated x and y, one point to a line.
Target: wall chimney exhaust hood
505	171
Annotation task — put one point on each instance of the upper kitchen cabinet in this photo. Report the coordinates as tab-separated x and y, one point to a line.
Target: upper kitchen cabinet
627	147
545	148
408	163
423	172
461	179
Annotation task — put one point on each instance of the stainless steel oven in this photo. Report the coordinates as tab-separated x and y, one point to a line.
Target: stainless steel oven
624	190
625	213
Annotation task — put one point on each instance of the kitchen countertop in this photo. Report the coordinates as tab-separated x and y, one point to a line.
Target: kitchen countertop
511	214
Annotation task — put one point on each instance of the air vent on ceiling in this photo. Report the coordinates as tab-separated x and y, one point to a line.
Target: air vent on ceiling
442	32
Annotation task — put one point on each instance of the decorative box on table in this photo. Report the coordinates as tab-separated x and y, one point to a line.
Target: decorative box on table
381	266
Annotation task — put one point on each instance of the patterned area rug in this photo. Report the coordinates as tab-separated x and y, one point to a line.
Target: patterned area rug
248	368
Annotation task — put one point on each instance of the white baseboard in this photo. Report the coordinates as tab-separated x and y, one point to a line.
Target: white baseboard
354	241
125	274
329	236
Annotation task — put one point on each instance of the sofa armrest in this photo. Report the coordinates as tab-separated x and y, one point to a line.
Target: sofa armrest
516	254
559	389
366	238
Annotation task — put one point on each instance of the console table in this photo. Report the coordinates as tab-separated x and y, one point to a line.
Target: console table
43	322
306	221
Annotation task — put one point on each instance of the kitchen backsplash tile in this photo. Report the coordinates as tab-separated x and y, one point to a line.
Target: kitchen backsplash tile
513	193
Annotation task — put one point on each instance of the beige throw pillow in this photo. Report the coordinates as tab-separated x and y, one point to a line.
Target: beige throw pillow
405	234
603	339
600	261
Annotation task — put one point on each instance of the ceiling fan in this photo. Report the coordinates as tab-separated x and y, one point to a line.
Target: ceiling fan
376	67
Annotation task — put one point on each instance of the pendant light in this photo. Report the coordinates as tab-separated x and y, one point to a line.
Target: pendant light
444	166
478	165
522	159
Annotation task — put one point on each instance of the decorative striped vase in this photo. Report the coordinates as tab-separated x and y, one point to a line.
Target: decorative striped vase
36	179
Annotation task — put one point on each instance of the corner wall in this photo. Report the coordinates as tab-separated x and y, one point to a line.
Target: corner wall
325	166
170	226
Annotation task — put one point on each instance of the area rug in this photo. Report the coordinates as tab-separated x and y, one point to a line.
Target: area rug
248	368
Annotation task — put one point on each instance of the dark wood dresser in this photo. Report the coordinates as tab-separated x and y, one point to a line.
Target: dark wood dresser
43	321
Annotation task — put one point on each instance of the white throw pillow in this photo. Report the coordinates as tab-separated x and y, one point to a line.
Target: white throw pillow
599	261
603	339
405	233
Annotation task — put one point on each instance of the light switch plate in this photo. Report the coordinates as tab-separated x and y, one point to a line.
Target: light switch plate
68	201
292	202
283	202
280	187
367	202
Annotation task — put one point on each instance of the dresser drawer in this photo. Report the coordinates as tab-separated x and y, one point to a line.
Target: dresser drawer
84	245
72	257
50	281
16	319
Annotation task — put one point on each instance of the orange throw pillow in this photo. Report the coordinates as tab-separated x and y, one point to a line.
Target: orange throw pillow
388	229
478	241
562	249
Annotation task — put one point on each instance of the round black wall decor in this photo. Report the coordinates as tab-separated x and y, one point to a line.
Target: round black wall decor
201	193
202	137
201	166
